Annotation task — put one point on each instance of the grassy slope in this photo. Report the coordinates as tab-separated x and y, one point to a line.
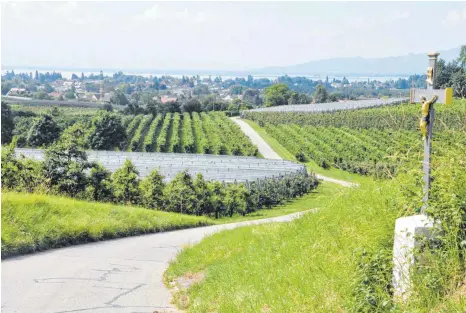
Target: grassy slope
307	265
311	165
311	264
32	222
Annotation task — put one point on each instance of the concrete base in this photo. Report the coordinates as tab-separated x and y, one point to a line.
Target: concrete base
408	230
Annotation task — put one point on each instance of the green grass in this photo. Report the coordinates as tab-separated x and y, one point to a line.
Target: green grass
338	259
32	222
315	199
308	265
311	165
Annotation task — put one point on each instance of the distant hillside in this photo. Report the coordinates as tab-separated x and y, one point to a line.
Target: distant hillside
357	66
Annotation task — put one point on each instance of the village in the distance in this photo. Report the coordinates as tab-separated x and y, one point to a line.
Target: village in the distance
214	93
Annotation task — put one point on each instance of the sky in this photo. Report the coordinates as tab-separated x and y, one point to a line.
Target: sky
221	35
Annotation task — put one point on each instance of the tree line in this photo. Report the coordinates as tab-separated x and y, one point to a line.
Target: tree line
66	171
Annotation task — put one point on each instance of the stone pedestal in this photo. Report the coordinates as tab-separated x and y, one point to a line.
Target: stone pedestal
408	230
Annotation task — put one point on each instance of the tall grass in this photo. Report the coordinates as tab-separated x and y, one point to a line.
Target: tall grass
339	259
32	222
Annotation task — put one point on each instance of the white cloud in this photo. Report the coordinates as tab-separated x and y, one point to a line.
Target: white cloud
149	14
401	16
158	13
455	17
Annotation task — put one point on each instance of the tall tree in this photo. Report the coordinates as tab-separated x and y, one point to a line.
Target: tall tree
180	194
152	190
462	57
321	94
125	184
107	131
43	132
277	94
119	98
65	163
7	123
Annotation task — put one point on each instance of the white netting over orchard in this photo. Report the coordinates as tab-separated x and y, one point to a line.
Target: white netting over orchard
212	167
332	106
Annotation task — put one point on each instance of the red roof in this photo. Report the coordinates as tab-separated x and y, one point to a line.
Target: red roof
166	99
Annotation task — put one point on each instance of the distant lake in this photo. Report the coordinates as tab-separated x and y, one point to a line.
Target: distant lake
68	74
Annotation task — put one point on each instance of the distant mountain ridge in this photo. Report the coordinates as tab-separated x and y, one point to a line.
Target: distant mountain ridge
398	66
357	66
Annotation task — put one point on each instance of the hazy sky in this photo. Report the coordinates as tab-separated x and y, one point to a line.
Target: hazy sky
225	35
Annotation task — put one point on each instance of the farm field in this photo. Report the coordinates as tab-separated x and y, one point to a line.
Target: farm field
202	133
404	116
365	149
310	165
332	106
341	257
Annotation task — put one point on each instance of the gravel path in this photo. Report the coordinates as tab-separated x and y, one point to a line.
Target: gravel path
269	153
122	275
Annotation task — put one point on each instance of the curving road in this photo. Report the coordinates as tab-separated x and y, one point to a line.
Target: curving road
123	275
268	153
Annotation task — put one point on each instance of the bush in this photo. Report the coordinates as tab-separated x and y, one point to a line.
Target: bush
20	174
66	162
125	184
236	199
152	191
99	184
180	194
107	132
43	132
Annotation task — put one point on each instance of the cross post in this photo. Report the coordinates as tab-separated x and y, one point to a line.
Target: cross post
428	115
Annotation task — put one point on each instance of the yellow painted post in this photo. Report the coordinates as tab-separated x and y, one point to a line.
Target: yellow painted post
448	95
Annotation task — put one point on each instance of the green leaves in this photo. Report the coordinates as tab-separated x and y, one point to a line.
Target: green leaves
151	136
125	184
107	132
135	143
43	132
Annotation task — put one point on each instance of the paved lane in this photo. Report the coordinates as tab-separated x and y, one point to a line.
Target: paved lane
122	275
257	140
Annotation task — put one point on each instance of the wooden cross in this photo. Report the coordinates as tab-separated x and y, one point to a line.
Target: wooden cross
427	121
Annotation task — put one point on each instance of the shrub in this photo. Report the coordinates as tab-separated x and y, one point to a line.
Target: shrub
66	162
43	132
236	199
107	132
152	191
99	184
180	194
20	173
125	184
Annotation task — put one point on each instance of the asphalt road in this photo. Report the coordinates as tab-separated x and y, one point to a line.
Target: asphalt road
122	275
